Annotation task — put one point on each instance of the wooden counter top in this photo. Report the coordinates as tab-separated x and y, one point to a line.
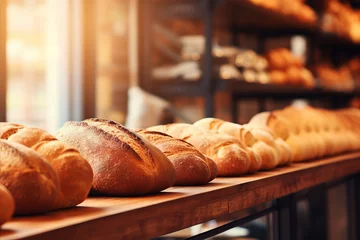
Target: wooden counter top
177	207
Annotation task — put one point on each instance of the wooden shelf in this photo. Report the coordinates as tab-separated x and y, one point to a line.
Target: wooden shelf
178	207
178	87
270	19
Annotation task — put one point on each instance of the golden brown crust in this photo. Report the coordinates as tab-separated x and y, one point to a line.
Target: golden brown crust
124	163
75	173
313	133
29	177
228	153
263	133
192	167
7	205
234	130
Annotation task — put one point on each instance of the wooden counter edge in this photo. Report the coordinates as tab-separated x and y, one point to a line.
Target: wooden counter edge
179	213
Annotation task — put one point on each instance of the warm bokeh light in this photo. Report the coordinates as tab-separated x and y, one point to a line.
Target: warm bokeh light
26	56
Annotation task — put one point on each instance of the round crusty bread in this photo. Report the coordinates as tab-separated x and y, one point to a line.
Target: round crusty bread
7	205
29	177
124	163
192	167
75	173
229	155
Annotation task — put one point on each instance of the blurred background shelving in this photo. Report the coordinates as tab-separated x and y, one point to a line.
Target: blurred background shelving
324	48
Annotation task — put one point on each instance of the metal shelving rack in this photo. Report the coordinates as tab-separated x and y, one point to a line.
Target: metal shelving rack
208	85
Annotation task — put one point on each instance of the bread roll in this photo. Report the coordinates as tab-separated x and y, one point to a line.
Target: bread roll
277	59
29	177
192	167
277	77
7	205
307	78
268	125
314	132
279	126
287	131
268	155
124	163
75	173
282	149
228	153
293	75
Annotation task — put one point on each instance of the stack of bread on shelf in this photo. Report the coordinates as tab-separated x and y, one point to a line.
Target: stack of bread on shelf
339	79
295	9
342	20
40	172
286	68
252	66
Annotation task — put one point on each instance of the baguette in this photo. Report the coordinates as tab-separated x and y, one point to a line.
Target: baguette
29	177
192	167
124	163
7	205
228	153
75	173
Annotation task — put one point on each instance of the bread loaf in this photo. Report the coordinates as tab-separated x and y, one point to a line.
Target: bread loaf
268	157
282	150
29	177
7	205
284	130
269	127
312	133
74	172
228	153
124	163
192	167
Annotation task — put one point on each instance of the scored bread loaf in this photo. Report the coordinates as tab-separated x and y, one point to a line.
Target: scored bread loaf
282	151
267	152
228	153
29	177
75	173
191	166
278	128
7	205
282	128
124	163
305	138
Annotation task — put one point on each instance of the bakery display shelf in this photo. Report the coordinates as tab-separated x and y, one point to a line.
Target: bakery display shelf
188	9
271	24
178	87
247	90
326	38
193	10
270	19
178	207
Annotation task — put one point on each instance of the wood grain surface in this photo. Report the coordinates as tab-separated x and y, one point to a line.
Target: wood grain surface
178	207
